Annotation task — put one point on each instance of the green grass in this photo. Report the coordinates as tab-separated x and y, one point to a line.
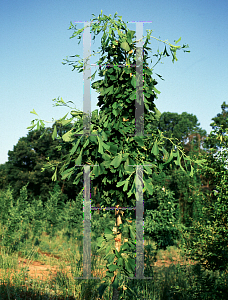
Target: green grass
63	247
174	282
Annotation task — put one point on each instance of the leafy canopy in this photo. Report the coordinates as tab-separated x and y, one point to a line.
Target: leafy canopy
113	149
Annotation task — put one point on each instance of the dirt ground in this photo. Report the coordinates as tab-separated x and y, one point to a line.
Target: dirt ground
41	271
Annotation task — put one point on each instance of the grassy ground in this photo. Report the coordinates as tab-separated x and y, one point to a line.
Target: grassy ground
46	270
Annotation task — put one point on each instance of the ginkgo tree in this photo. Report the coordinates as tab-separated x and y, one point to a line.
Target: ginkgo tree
113	150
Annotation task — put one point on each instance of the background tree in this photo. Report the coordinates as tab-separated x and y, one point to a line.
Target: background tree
3	176
25	163
214	165
220	123
185	129
207	241
181	127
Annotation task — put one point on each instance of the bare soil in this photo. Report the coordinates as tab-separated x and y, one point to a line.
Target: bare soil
38	270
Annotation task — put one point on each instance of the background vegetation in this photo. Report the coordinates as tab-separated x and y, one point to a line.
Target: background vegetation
187	213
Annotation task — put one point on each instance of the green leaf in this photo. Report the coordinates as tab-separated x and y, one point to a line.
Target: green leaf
139	140
191	174
31	127
133	95
109	237
133	81
54	177
128	169
99	241
108	231
199	162
115	283
108	91
130	35
170	157
42	123
54	134
120	262
67	172
148	186
67	137
96	170
147	168
128	266
155	148
100	148
112	268
132	190
159	76
107	147
182	168
187	158
65	122
86	144
78	161
132	232
157	113
76	113
178	40
124	45
76	181
126	184
107	249
116	125
109	274
108	256
125	246
33	112
111	258
117	254
117	161
156	91
115	105
102	288
166	155
132	263
72	151
175	154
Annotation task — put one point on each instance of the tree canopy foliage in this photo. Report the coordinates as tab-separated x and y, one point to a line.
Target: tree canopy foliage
25	164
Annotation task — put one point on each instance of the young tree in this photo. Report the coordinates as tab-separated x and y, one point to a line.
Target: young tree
113	149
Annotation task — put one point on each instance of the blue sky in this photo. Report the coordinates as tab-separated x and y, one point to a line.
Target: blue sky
35	40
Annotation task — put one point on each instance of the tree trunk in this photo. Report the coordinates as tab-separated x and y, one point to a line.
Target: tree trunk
118	221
